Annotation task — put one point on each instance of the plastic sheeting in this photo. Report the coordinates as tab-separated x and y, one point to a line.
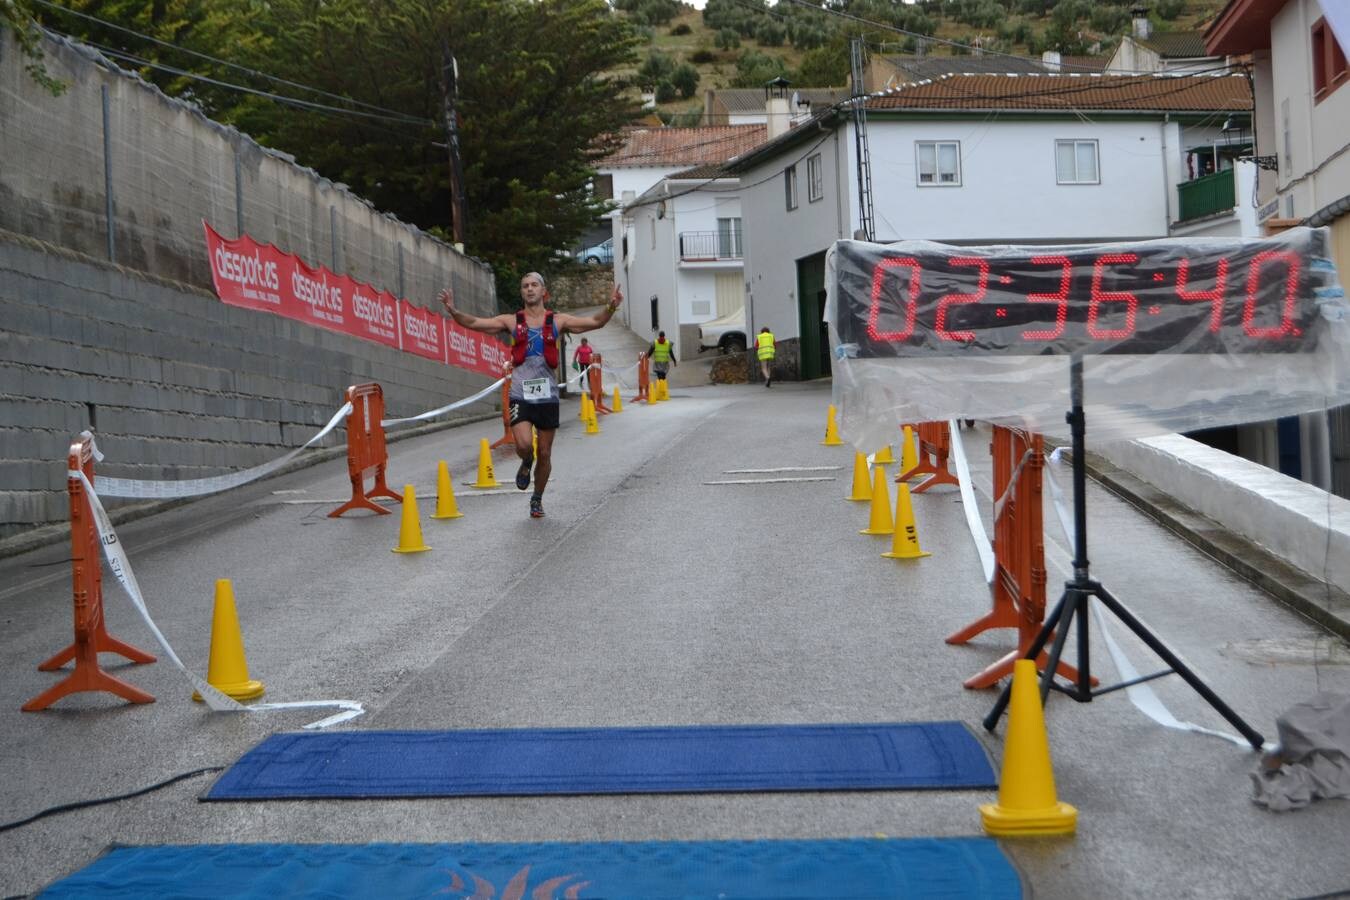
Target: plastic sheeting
1312	759
1174	334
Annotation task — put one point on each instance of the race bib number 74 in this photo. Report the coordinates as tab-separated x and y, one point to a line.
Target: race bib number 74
536	389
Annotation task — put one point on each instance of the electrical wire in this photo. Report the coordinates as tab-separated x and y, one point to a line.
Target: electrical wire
84	804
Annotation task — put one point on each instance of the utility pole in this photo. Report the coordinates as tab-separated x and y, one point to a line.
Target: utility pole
450	93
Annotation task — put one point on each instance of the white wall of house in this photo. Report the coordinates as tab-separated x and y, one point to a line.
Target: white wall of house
1008	189
648	270
1307	133
693	213
637	179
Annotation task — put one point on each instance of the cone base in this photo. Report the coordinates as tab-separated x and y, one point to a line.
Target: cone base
877	531
1051	820
833	443
485	485
240	690
420	549
453	515
867	499
893	555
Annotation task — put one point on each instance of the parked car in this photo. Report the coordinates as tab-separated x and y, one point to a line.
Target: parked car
598	254
727	333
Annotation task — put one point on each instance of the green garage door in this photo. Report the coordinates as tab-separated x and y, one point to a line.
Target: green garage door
815	342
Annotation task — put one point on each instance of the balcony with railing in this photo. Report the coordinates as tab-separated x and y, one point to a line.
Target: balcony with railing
710	246
1206	195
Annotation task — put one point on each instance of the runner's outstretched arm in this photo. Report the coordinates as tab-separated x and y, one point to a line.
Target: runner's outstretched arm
487	325
578	324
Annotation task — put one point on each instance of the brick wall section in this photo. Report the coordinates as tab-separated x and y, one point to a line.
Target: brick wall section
176	383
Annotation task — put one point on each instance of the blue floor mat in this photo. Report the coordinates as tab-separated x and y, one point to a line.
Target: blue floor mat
374	764
973	868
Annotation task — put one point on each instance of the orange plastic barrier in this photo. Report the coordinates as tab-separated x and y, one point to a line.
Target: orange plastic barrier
365	449
597	388
86	571
643	379
935	446
507	439
1019	555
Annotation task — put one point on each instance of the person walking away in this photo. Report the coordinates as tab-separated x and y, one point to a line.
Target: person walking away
765	351
662	355
535	333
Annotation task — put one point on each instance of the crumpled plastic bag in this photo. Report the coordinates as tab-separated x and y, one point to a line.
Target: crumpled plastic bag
1312	760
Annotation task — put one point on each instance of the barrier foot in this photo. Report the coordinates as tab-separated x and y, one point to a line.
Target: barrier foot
87	677
103	643
358	501
937	479
996	672
999	618
381	489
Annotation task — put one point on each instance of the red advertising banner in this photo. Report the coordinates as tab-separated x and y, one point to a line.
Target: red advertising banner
259	276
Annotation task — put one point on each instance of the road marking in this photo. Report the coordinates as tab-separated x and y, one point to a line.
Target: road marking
770	480
783	469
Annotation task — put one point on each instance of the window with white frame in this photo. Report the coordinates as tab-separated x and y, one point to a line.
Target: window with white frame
729	238
1076	162
790	186
815	179
938	162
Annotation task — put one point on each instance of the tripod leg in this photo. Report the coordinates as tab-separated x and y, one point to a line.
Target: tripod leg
1252	735
991	720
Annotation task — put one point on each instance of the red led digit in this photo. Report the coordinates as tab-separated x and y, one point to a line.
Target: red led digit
1214	295
1286	326
949	299
1100	296
878	278
1061	297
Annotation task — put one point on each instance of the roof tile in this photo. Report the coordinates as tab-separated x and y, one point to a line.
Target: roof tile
684	146
1164	93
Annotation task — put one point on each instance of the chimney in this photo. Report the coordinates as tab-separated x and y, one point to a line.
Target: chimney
1051	60
778	107
1143	28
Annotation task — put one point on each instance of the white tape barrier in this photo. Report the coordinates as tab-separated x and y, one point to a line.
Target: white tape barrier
1141	695
217	701
973	520
458	404
194	487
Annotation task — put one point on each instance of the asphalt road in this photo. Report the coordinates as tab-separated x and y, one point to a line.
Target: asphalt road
651	595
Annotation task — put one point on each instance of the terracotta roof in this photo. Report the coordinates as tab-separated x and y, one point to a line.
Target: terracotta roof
1177	44
751	100
702	173
683	146
1084	63
921	67
1062	93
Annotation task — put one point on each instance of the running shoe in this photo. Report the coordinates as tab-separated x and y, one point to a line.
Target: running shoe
536	507
523	475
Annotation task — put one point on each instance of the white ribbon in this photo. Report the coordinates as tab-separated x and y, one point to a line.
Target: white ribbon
431	414
217	701
193	487
973	520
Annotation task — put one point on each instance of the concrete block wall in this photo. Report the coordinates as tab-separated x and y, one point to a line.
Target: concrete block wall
174	383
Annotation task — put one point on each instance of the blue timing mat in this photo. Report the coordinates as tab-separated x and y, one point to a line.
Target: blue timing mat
951	868
372	764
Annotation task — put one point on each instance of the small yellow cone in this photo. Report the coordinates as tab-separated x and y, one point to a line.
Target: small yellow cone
905	544
486	478
883	456
592	424
880	521
665	389
585	402
618	401
410	530
446	508
534	442
1027	805
862	486
652	390
831	429
909	452
227	671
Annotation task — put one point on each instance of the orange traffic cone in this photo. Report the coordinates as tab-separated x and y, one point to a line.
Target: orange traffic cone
905	544
880	521
831	429
862	487
446	508
1027	804
410	530
486	478
227	670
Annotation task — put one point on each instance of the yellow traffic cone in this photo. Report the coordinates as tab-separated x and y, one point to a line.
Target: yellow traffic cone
534	442
486	478
909	453
652	391
905	544
831	429
618	401
1027	804
883	456
410	531
665	389
227	671
862	487
880	521
593	423
446	508
585	401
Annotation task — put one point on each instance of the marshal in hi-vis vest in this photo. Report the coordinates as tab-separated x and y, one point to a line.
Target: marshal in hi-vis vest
661	351
520	341
765	349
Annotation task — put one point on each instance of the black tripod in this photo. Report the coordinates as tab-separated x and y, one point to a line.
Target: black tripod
1074	603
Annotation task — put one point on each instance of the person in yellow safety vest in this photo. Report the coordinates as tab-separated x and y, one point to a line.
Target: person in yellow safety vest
662	355
765	351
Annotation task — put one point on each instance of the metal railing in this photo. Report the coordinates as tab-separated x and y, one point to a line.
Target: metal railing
1206	195
704	245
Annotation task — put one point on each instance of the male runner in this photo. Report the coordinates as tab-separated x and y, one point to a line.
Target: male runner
534	360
